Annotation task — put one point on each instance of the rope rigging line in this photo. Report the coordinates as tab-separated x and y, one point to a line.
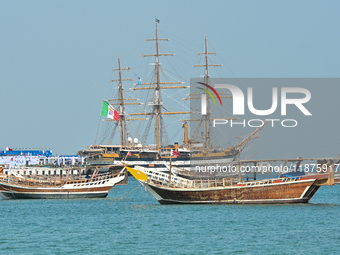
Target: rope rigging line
147	129
181	39
136	130
95	140
125	195
164	132
112	134
222	60
137	45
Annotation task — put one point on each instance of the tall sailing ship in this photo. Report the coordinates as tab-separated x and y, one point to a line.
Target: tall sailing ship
131	151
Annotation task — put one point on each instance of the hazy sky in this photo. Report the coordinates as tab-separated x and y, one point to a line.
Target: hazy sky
56	57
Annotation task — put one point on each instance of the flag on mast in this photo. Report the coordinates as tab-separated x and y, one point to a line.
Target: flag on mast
109	112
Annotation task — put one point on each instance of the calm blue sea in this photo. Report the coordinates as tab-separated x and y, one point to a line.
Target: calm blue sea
137	224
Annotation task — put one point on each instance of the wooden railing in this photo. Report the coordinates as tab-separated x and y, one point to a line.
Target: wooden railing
41	181
162	179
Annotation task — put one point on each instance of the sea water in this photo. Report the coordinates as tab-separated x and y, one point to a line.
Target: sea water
135	223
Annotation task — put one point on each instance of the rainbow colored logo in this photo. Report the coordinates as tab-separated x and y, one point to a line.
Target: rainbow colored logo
209	93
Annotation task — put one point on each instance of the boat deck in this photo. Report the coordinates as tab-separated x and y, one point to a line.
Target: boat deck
42	181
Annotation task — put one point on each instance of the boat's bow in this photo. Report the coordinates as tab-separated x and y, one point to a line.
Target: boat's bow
139	175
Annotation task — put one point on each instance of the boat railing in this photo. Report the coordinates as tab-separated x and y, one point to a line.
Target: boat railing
162	179
28	180
269	181
99	177
225	182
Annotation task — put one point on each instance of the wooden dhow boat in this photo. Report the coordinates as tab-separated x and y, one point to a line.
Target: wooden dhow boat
169	188
92	185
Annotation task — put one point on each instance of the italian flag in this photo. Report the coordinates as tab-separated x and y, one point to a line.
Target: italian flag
109	112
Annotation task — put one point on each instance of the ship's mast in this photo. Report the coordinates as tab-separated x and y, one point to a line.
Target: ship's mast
207	135
121	104
207	118
157	92
206	72
157	103
123	131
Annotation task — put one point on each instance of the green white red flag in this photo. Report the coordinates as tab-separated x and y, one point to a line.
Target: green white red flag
109	112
